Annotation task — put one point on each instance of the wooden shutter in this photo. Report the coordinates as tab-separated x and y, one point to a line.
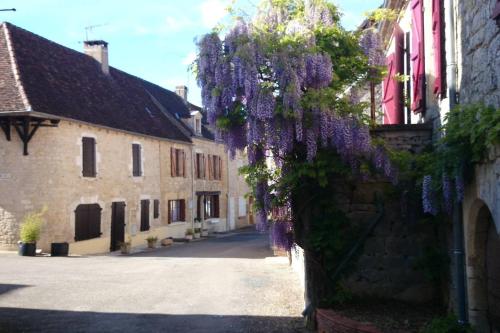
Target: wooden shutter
197	166
183	158
173	162
156	208
144	215
203	166
136	160
170	211
437	44
198	207
87	222
210	167
220	168
182	208
388	91
88	157
417	57
399	61
216	212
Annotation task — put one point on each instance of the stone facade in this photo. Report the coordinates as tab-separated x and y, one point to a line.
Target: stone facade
51	175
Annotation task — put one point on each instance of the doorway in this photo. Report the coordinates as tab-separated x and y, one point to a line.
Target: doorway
117	225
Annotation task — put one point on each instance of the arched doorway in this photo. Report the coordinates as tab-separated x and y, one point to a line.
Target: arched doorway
484	272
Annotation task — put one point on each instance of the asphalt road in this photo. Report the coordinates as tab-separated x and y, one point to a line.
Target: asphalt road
229	284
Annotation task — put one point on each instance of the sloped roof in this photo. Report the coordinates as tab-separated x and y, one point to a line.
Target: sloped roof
39	75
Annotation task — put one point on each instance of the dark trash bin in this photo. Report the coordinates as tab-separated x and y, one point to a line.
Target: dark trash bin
27	249
59	249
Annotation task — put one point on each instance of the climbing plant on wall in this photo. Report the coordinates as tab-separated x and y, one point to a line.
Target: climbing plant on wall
278	85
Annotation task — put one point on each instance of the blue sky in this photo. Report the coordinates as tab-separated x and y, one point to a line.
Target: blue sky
152	39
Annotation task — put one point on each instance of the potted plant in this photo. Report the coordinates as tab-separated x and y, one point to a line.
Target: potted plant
189	234
197	222
197	232
152	241
30	233
126	247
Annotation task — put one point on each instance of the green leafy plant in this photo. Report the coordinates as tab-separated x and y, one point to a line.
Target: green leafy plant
447	324
32	226
197	230
189	232
152	239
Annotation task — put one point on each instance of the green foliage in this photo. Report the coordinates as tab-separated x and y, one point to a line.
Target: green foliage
32	226
382	14
152	239
434	264
447	324
197	230
189	232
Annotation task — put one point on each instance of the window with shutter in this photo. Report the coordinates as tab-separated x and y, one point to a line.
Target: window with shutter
212	206
393	101
156	208
437	45
144	215
388	91
176	211
88	157
173	162
87	222
417	57
136	160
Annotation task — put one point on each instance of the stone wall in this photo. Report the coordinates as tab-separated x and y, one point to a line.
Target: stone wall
478	48
413	138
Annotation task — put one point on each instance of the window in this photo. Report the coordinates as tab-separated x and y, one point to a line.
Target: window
176	210
200	166
211	206
144	215
214	167
177	162
156	209
88	157
136	160
198	126
87	222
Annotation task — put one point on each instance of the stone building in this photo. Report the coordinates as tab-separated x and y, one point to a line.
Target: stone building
113	157
450	52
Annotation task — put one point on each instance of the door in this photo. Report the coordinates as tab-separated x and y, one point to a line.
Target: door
117	225
232	213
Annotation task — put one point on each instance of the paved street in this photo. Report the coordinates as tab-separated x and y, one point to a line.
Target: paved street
228	284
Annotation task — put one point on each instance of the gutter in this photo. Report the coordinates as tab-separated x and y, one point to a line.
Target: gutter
457	217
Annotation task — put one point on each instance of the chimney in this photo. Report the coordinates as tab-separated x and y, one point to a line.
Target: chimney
183	92
98	49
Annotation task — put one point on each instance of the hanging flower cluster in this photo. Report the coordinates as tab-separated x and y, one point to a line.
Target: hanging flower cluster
253	84
282	228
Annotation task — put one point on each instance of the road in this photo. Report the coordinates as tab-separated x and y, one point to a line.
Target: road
226	284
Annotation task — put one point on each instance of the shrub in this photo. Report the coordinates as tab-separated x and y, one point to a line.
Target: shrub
152	239
448	324
197	230
189	232
32	226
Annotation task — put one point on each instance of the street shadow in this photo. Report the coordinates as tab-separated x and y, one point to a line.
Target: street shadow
244	245
6	288
16	320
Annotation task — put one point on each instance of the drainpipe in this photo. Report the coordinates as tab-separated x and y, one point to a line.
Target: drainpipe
458	227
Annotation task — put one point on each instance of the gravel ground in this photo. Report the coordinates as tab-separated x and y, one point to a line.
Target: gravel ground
227	284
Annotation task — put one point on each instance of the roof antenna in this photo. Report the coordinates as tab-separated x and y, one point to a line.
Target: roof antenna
8	10
90	29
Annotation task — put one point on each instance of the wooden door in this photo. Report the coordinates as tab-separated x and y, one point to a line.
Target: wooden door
117	225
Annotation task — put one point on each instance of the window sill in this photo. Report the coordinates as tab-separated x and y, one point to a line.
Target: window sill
173	224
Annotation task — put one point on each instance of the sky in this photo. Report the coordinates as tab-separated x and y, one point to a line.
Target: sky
152	39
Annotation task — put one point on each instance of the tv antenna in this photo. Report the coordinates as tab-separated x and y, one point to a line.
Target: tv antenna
8	10
90	29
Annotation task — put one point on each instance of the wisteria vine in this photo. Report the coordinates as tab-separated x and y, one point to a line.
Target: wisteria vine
254	84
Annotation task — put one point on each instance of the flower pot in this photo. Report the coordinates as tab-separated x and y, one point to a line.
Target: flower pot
197	225
59	249
151	244
189	237
204	233
197	235
125	248
27	249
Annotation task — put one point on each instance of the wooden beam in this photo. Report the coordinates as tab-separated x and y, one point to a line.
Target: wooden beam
6	128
